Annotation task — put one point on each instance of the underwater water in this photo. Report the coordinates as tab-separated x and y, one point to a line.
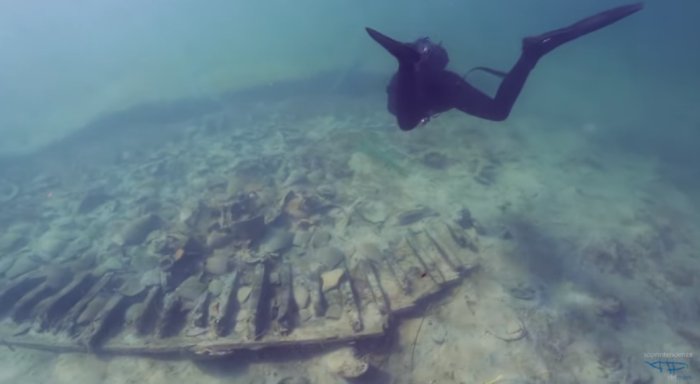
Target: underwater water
215	192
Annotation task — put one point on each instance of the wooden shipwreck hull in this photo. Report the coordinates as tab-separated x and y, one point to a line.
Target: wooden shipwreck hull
259	302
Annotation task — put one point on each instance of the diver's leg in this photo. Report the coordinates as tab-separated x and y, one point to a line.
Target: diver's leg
534	48
479	104
474	102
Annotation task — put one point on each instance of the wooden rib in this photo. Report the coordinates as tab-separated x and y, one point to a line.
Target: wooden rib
47	311
350	305
443	238
203	349
363	287
148	312
370	276
93	335
422	245
17	288
439	235
69	321
225	305
316	301
23	306
256	303
373	289
397	273
419	276
284	299
426	260
397	295
199	313
171	308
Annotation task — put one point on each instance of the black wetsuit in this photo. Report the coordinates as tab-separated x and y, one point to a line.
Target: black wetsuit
422	86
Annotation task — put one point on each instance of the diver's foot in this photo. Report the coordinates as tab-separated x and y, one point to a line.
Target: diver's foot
546	42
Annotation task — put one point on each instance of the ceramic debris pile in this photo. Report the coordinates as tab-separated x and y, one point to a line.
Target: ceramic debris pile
282	251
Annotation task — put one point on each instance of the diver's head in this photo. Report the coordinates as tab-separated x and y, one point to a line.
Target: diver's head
433	55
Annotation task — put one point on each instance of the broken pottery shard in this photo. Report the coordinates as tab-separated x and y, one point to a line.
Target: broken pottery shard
331	279
131	287
414	215
249	230
217	263
191	212
326	191
52	244
276	242
334	304
136	232
374	212
511	329
301	295
302	298
93	199
344	363
8	191
216	240
243	294
330	257
319	239
370	251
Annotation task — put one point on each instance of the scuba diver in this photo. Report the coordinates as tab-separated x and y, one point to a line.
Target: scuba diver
422	87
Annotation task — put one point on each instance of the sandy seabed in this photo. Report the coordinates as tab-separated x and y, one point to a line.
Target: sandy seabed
588	255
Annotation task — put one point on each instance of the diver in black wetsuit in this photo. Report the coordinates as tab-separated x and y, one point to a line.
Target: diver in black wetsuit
422	86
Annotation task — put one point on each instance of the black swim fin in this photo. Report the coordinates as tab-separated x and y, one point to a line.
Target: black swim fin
546	42
404	53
